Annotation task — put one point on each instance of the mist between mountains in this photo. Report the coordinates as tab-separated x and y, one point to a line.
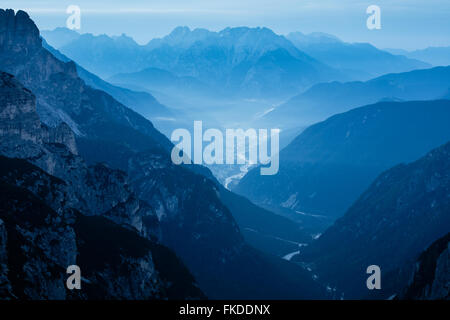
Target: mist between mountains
238	147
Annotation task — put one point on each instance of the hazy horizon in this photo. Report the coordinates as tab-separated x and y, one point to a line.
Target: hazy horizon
406	25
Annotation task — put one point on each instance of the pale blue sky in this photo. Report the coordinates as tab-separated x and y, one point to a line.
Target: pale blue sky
407	24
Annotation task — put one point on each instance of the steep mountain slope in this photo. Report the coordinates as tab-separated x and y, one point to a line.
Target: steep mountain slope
326	99
38	243
159	80
405	210
361	60
94	190
262	229
141	102
104	55
326	168
42	231
242	61
431	279
249	61
190	215
61	95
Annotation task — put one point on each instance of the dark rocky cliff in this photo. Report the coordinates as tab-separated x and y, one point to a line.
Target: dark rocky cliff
47	221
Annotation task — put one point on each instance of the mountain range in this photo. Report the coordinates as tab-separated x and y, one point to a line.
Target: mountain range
117	166
243	61
431	274
86	175
141	102
325	169
402	213
362	61
326	99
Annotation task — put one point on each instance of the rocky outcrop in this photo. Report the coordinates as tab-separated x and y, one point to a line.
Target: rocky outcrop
20	124
47	221
119	264
18	117
431	279
94	190
60	93
62	134
17	33
37	244
40	244
441	284
19	120
329	165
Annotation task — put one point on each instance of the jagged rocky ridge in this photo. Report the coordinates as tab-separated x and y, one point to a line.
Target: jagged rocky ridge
241	61
361	60
49	222
326	99
191	218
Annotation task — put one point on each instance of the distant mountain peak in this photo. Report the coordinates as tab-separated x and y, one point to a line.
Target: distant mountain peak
249	33
63	30
124	39
181	35
184	35
180	30
312	38
60	36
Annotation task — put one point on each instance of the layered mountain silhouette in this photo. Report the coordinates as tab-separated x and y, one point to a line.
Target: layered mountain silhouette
362	61
326	99
105	54
245	60
159	80
325	169
239	61
400	215
54	207
119	174
87	179
141	102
